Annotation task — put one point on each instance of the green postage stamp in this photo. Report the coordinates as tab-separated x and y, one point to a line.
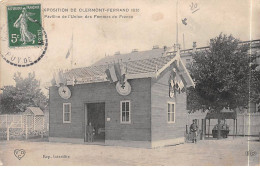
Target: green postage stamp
24	25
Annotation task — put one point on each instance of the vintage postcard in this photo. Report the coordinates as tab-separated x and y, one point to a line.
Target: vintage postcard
129	83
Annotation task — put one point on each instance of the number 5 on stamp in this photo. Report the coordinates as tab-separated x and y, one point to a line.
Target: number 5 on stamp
24	25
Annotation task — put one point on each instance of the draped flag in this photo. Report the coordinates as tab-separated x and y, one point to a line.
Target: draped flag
179	86
53	82
109	75
182	86
59	78
120	73
116	72
175	85
112	74
172	80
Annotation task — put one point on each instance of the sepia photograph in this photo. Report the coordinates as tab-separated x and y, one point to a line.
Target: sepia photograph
129	83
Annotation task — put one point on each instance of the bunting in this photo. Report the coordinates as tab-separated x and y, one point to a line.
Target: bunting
175	86
116	72
59	78
113	73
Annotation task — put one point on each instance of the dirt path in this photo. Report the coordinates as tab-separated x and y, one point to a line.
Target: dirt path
207	152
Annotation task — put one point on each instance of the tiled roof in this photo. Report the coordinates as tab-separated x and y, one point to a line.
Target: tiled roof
136	63
149	54
35	110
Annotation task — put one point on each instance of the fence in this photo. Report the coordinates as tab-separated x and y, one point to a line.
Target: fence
247	124
22	126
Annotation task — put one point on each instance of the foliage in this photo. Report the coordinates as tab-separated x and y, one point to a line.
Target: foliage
25	93
223	76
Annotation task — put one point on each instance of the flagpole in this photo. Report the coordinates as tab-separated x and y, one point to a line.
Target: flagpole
71	62
177	33
183	42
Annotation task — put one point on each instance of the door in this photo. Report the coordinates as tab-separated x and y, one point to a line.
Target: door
95	116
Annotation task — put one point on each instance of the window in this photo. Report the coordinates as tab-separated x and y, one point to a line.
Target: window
125	112
66	112
171	112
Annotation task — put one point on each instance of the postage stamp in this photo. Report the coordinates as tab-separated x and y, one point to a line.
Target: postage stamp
23	39
24	25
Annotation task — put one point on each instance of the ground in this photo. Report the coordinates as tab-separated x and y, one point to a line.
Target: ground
231	151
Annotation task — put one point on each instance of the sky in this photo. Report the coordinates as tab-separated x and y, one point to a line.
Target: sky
155	24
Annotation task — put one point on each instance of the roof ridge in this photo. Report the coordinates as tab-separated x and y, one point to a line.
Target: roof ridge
130	61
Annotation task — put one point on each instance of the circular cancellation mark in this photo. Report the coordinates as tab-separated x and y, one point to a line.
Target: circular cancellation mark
24	55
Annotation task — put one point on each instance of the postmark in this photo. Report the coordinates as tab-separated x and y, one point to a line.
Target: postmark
23	39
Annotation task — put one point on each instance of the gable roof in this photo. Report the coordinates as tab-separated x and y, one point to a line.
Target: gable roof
133	56
35	110
139	65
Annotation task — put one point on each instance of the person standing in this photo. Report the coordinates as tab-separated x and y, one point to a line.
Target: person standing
90	132
194	131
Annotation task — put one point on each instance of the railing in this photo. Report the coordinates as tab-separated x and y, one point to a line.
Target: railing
21	125
254	43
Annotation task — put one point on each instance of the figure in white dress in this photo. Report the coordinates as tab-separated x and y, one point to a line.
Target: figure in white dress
21	23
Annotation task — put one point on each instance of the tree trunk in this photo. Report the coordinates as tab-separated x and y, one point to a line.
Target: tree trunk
219	135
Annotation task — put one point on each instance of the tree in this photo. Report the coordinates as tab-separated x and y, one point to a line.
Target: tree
25	93
223	77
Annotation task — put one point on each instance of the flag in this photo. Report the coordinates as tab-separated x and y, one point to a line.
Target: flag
172	80
182	86
113	74
177	87
62	78
70	49
68	54
109	75
172	76
59	78
53	82
120	70
117	70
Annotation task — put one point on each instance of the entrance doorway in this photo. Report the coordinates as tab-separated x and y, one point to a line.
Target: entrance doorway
95	114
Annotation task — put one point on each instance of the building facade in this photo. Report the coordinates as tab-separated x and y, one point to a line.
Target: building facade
136	99
148	111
